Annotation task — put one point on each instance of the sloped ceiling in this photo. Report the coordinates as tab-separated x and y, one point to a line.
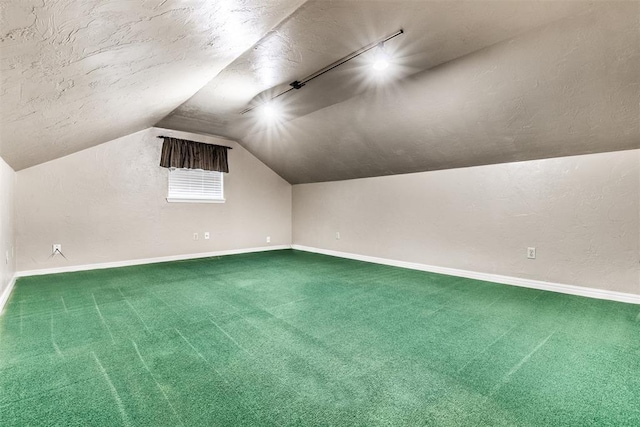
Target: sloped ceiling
76	73
571	87
322	32
473	82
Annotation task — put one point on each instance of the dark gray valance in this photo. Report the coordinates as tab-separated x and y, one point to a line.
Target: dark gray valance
181	153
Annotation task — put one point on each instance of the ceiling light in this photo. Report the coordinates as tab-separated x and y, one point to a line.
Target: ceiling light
379	65
382	59
269	111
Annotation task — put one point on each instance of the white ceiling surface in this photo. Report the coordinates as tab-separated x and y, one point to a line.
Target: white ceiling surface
504	80
571	87
76	73
520	80
322	32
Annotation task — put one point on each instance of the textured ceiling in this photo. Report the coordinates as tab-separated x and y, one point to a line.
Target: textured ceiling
473	82
321	32
571	87
76	73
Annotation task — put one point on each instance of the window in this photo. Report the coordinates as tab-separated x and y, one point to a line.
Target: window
195	186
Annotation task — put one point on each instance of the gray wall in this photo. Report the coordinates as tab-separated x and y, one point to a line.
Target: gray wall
581	213
107	204
7	241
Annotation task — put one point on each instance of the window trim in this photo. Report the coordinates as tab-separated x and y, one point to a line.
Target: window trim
182	200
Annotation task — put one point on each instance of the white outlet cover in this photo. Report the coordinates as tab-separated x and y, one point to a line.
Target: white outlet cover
195	236
531	253
206	235
268	239
337	235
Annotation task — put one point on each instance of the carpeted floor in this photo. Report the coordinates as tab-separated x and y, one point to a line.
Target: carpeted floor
292	338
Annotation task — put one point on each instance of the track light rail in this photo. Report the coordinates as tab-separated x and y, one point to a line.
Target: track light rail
298	84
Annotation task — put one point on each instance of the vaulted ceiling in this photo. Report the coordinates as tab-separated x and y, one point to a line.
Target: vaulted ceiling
472	82
77	73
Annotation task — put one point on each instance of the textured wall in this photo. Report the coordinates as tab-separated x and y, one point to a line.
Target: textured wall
7	240
581	213
107	203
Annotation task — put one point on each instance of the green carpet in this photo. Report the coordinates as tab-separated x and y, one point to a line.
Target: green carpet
292	338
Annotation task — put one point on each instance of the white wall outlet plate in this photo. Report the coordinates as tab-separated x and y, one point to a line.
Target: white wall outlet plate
531	253
206	235
337	235
195	236
268	239
57	247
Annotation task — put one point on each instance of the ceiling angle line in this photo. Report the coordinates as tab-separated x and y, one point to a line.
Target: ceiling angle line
298	84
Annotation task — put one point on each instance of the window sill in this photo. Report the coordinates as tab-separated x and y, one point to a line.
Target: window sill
174	200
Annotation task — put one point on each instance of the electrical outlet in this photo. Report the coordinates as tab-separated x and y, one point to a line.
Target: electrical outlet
268	239
195	236
337	235
56	248
206	235
531	253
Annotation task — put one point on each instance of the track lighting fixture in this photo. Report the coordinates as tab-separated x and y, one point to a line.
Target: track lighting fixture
381	62
382	59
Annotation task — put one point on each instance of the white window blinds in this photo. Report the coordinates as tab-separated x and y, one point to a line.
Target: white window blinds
195	185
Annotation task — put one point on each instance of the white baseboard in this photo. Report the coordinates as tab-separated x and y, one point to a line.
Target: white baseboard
128	263
7	291
496	278
507	280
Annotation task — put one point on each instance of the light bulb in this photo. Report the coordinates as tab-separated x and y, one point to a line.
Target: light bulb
380	64
381	60
269	111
